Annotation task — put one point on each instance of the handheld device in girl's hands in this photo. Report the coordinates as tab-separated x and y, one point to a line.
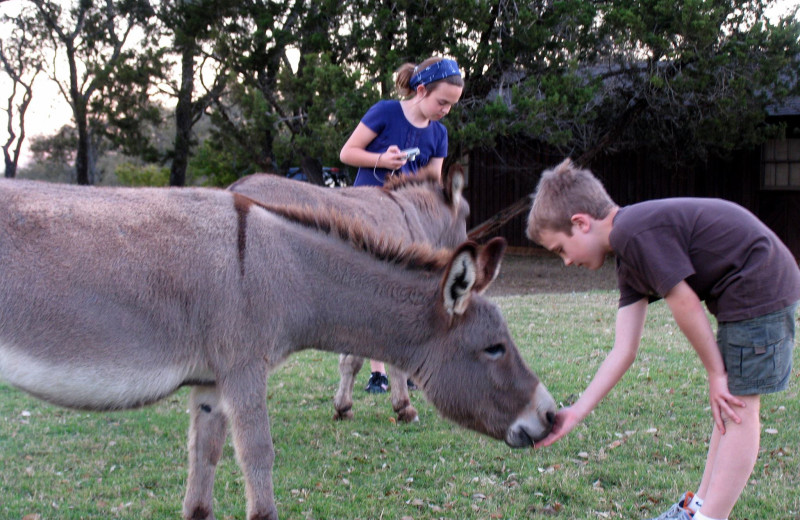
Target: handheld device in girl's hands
411	153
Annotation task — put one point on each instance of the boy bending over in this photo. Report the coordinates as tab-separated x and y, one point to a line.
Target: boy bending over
685	250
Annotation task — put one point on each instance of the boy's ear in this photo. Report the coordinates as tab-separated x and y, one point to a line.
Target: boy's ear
582	220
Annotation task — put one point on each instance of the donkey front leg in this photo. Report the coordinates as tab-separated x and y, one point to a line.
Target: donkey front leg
244	396
401	402
207	431
349	365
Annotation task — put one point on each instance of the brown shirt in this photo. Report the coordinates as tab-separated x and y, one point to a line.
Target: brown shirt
734	262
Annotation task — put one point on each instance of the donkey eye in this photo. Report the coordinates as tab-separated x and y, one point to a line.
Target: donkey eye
495	351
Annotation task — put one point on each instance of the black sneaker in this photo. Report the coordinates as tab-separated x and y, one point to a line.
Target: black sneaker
378	383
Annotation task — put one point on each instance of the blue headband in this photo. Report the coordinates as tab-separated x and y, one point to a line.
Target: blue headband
439	70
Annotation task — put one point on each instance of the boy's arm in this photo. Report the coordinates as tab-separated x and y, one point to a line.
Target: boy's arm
629	325
690	315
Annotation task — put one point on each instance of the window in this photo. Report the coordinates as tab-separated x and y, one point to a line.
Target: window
780	164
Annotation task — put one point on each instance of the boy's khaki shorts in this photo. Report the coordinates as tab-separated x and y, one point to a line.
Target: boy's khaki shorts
758	352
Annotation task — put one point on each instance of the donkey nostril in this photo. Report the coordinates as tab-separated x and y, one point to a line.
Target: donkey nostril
551	417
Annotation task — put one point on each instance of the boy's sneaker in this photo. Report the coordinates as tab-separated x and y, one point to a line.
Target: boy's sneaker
679	510
378	383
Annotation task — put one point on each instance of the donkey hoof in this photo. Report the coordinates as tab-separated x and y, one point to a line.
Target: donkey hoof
264	516
408	415
199	513
343	415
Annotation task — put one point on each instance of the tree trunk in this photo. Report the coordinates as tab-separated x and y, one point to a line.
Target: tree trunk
183	119
262	155
11	166
79	112
94	176
313	170
82	155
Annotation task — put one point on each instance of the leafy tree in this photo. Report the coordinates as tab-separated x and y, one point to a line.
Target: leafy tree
56	148
582	77
108	78
254	43
214	165
192	24
682	78
22	67
131	174
699	74
293	95
53	156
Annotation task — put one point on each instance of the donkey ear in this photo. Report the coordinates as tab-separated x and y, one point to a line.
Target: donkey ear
459	278
454	185
489	259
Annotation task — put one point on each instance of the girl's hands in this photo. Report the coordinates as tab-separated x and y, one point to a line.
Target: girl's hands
392	159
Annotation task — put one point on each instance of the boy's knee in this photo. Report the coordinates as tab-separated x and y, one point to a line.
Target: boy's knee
747	413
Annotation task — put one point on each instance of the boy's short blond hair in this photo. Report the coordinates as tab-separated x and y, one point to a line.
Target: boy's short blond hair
562	192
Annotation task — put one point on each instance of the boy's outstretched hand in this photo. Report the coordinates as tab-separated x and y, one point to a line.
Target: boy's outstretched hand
566	420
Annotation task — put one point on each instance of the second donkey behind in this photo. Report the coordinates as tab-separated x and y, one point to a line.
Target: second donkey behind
407	208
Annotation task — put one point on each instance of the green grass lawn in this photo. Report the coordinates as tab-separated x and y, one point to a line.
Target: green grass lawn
640	449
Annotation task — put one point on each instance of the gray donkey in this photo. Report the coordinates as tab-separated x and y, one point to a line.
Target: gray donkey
113	298
409	208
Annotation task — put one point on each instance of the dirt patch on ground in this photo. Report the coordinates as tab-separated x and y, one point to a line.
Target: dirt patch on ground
543	272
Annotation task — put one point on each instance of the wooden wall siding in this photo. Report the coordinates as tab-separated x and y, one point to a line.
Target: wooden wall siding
780	210
634	178
500	177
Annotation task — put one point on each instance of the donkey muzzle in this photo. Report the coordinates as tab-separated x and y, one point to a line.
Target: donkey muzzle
535	421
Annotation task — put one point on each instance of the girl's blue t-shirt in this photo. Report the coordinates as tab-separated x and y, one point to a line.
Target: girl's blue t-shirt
386	119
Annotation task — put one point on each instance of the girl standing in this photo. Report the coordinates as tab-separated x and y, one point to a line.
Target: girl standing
389	127
405	137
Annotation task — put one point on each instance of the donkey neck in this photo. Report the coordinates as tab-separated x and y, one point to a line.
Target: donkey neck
421	215
362	305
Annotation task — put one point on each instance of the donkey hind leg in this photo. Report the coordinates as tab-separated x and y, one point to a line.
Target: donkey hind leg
207	431
244	397
349	365
401	402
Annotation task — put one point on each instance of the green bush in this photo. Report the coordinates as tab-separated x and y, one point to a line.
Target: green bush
129	174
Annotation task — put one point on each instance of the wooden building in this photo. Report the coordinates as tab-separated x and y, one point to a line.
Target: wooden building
765	180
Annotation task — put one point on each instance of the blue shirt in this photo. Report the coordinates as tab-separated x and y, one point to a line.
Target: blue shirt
386	119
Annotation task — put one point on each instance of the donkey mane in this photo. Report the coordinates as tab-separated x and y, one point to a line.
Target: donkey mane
360	236
397	182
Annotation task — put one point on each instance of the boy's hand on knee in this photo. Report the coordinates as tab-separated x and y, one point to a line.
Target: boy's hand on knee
722	401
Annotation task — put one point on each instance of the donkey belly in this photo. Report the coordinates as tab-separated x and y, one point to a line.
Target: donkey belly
82	384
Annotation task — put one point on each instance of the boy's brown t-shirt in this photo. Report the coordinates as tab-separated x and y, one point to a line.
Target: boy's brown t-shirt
734	262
